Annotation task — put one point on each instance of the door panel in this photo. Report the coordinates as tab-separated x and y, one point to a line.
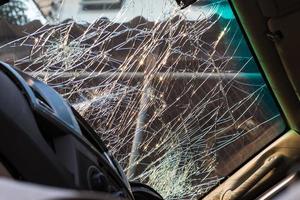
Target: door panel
262	172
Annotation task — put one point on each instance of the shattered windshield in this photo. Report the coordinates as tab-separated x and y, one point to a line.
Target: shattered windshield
175	94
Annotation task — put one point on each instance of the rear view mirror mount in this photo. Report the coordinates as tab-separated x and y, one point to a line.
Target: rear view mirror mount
185	3
2	2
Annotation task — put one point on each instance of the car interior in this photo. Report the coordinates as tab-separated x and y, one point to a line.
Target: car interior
64	152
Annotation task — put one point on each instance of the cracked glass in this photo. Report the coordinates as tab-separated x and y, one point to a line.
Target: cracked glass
175	94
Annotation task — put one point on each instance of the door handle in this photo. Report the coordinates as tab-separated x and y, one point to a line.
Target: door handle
238	190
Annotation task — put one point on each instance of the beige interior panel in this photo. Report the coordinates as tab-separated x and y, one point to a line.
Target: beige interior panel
261	172
288	45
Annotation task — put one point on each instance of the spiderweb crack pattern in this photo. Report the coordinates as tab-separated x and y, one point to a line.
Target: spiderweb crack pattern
173	100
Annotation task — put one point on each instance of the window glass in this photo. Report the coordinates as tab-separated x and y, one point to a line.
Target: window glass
175	94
